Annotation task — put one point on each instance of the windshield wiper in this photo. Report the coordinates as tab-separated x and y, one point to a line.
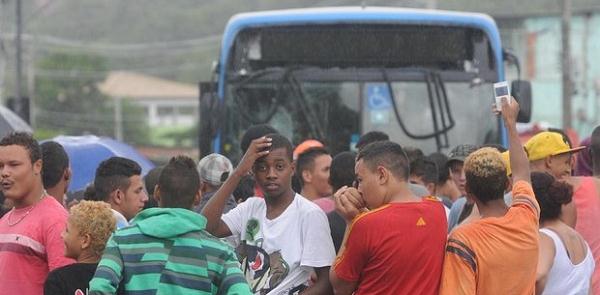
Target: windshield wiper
436	92
241	99
306	108
287	79
444	107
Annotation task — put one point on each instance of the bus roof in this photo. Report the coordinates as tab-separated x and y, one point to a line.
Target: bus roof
353	15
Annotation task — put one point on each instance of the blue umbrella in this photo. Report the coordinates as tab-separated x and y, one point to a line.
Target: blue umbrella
86	153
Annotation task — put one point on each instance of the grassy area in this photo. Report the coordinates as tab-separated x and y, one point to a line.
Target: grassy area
173	136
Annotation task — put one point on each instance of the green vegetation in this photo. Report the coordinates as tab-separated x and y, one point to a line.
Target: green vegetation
76	106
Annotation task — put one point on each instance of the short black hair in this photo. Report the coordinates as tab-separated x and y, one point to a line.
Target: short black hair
371	137
280	141
387	154
151	179
550	194
440	159
416	160
413	153
342	170
25	140
179	183
254	132
113	174
55	162
89	193
430	171
306	160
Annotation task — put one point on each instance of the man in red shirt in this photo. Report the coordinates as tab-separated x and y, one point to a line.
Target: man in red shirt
398	246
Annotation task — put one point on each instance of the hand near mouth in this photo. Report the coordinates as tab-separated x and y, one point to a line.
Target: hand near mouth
349	203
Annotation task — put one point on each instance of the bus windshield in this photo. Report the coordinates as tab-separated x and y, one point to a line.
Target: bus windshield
302	106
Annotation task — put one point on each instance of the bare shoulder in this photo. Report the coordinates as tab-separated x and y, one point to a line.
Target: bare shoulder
546	240
546	245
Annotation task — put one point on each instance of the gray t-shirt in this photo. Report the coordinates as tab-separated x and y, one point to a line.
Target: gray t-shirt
458	206
204	200
419	190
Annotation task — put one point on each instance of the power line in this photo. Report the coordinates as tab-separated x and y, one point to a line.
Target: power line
83	118
57	41
127	54
78	74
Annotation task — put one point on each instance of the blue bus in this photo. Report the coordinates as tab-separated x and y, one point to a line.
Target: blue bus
422	76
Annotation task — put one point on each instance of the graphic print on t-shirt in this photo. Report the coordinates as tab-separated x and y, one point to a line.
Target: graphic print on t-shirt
263	271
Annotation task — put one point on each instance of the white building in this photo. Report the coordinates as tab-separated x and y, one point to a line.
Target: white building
166	103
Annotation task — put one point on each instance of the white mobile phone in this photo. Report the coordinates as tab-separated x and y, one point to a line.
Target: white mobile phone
501	90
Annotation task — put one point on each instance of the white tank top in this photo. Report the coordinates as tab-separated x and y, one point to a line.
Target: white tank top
565	277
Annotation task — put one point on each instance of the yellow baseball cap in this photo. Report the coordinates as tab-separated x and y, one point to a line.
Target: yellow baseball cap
506	159
546	144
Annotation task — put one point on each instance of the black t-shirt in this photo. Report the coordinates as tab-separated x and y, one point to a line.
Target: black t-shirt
337	227
70	279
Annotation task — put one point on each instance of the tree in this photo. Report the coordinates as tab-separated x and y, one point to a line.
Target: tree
68	100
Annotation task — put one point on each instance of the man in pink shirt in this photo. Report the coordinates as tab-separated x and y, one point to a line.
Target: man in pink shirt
30	234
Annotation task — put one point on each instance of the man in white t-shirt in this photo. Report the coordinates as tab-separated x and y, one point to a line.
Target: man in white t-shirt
284	237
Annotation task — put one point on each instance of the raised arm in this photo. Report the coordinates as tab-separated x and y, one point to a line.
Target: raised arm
519	163
214	208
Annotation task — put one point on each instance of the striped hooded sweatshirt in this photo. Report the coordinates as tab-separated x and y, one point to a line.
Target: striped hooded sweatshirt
167	251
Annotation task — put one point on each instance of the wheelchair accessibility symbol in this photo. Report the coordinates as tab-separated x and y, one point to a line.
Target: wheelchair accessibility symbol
378	96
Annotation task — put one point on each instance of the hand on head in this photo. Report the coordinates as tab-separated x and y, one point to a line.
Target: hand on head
258	148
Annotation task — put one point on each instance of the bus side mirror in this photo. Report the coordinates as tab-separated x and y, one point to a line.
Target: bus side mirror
521	91
211	113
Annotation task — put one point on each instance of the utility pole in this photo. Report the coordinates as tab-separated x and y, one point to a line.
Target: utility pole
567	85
18	61
431	4
31	82
590	110
118	118
3	54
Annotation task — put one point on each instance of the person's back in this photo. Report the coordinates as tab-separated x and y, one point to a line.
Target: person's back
566	275
502	252
167	250
497	254
407	240
565	264
164	249
587	201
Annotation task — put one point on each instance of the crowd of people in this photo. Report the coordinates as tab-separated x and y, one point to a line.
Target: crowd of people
384	219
